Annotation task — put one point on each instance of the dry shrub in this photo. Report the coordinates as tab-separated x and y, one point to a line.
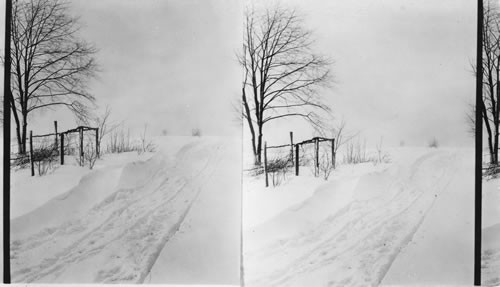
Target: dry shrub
196	132
355	152
433	143
90	154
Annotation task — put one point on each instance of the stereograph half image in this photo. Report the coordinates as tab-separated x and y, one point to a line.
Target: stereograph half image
251	142
126	167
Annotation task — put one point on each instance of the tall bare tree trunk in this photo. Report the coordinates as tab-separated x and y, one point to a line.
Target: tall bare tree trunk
51	65
488	130
497	115
259	145
284	73
18	125
19	141
24	134
491	75
249	121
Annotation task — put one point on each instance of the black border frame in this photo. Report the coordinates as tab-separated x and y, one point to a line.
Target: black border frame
7	131
478	207
6	147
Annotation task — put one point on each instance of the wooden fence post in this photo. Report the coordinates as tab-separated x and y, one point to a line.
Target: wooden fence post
316	169
32	161
62	149
81	146
265	163
97	142
55	137
333	153
297	160
291	146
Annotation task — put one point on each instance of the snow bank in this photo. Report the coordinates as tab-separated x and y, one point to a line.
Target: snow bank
490	266
491	202
260	204
29	192
91	189
349	230
113	225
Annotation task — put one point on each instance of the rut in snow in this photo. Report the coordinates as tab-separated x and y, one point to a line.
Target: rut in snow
356	244
118	240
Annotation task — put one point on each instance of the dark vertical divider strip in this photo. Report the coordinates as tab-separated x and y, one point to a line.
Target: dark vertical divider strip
479	147
6	146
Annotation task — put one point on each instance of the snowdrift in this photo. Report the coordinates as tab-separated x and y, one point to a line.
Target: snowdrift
490	267
368	225
113	225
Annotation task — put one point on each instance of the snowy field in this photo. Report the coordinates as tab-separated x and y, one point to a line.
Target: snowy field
170	217
409	221
491	233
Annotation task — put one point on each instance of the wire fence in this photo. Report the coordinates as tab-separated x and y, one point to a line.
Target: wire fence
43	151
82	142
317	153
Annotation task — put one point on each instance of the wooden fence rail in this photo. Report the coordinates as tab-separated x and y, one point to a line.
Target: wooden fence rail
296	159
80	130
59	147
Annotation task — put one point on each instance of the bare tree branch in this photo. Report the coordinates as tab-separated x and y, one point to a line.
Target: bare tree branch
491	71
51	65
282	73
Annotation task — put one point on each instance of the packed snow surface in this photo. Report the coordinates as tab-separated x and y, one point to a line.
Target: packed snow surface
124	217
409	221
490	267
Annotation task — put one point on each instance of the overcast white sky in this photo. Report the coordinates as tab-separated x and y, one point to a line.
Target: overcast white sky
170	64
402	67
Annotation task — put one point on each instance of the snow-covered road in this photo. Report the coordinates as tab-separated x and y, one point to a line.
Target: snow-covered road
117	234
354	227
441	251
206	249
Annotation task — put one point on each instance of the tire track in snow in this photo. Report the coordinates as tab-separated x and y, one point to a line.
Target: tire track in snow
177	226
127	235
358	241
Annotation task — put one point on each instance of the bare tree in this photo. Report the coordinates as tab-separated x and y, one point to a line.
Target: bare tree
282	73
51	66
491	82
